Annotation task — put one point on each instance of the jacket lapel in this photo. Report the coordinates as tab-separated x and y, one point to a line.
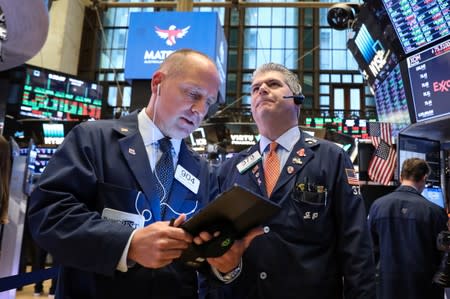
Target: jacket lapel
255	172
134	152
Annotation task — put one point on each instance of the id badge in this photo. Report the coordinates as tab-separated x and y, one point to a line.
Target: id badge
124	218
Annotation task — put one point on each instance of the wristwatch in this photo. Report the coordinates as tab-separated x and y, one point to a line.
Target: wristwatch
230	276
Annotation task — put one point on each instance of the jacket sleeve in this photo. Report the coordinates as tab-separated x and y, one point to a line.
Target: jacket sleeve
355	246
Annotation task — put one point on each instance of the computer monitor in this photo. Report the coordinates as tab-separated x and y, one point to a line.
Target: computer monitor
53	133
428	150
435	195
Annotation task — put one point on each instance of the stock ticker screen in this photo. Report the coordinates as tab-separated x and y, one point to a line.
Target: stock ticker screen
429	73
57	96
391	101
419	22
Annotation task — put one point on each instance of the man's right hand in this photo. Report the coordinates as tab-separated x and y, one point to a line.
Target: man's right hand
230	259
158	244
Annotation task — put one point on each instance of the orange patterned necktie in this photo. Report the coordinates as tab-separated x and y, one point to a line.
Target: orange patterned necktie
271	168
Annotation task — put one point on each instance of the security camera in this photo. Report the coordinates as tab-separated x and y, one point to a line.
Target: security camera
341	15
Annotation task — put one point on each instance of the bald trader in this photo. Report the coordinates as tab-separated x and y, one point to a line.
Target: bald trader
97	209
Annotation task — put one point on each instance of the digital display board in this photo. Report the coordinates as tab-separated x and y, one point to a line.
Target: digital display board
391	101
37	160
56	96
429	73
152	36
356	128
334	124
53	133
419	22
374	44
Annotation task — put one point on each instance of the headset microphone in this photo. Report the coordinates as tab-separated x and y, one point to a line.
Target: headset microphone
157	90
298	99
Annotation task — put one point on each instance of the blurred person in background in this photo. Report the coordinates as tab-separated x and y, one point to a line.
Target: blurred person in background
404	226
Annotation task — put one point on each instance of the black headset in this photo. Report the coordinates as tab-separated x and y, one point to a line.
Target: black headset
298	99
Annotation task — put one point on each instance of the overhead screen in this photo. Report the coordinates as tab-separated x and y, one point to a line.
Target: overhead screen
429	74
402	49
378	52
374	44
57	96
419	23
391	101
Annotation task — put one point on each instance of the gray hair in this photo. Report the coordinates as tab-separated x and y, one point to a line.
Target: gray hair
290	78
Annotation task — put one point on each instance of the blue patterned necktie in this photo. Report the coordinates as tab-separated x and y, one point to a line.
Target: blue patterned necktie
164	172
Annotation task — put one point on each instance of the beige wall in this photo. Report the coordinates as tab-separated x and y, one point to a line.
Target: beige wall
61	49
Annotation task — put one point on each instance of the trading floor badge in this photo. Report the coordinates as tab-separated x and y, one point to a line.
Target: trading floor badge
297	160
301	152
290	170
248	162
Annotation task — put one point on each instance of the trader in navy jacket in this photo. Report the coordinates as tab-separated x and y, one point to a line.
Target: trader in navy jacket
319	245
404	226
96	209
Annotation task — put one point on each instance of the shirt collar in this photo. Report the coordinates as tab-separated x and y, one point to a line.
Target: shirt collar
151	133
287	140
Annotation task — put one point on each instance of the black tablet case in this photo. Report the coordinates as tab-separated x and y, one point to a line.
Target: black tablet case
238	207
233	213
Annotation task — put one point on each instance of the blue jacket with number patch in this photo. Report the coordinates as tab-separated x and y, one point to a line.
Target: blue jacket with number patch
319	245
104	164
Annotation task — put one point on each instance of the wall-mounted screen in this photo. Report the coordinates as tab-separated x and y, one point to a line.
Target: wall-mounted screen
355	127
332	123
419	22
429	73
56	96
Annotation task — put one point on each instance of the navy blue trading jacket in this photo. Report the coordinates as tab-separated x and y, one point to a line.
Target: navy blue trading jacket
104	164
404	226
318	246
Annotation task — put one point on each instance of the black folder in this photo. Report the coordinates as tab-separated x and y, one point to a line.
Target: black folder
233	213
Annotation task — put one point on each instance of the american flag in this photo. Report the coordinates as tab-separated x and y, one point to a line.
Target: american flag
352	176
382	165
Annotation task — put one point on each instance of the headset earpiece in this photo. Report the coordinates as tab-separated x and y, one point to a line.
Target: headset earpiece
158	90
298	99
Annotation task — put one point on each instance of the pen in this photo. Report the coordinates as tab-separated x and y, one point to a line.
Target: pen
172	222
